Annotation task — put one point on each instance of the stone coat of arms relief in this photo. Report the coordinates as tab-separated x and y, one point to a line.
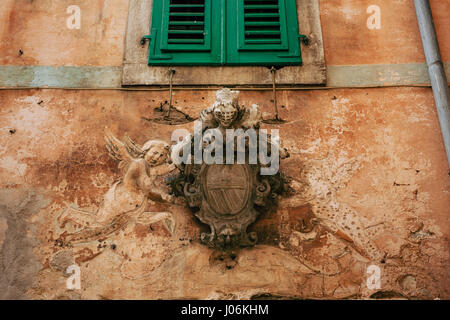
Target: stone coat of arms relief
229	196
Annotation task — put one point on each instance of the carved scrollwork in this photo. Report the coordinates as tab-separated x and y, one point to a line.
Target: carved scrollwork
193	195
262	191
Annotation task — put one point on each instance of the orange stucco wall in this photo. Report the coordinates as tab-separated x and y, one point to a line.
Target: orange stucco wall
39	29
368	163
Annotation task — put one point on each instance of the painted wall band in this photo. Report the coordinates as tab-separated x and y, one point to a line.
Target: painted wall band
60	77
88	77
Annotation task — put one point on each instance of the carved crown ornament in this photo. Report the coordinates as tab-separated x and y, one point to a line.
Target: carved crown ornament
229	171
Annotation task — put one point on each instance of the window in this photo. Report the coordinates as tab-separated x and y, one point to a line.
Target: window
224	32
243	63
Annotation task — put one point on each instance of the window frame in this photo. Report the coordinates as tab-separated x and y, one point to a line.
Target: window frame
136	72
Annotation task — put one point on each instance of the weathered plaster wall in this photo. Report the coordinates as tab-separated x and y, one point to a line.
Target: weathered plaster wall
398	40
38	50
39	29
379	188
369	164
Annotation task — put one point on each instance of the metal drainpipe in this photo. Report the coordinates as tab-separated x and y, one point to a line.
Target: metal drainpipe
435	68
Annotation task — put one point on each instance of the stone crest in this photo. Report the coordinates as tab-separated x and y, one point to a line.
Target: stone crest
228	196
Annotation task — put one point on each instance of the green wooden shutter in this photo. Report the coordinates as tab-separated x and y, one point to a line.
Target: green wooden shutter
224	32
262	32
182	32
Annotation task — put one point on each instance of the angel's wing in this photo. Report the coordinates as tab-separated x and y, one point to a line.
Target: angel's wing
132	147
117	150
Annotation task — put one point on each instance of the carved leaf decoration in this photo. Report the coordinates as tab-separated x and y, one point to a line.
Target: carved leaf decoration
148	218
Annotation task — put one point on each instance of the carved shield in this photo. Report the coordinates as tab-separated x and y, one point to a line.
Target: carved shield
227	188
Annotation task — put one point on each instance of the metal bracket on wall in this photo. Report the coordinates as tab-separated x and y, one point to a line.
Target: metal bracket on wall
171	73
276	119
152	38
304	39
145	38
166	113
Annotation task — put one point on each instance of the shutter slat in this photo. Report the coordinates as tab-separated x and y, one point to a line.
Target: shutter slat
261	23
262	32
258	6
187	14
172	31
186	23
184	41
261	15
262	41
187	6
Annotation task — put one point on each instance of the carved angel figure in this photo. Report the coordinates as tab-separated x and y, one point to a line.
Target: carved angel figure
135	196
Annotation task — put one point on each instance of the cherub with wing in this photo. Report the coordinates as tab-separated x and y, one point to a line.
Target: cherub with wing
132	196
